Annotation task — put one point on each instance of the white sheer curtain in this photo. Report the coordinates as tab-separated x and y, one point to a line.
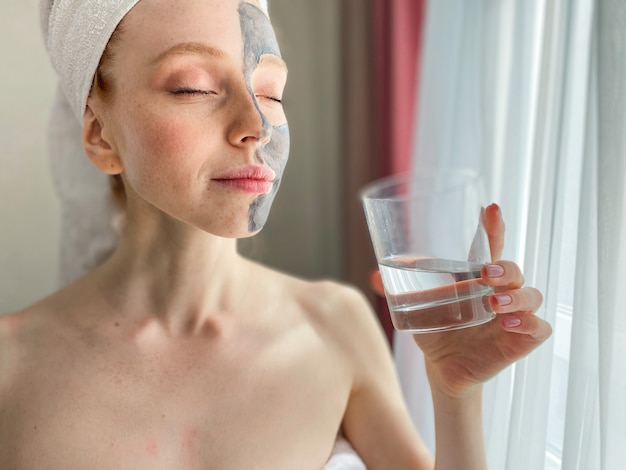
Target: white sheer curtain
532	93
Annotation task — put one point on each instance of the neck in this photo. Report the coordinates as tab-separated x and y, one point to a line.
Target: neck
175	275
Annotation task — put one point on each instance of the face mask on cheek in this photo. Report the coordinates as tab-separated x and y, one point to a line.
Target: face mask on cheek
259	39
275	155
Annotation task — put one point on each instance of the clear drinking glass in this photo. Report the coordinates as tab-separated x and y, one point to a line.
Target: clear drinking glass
430	243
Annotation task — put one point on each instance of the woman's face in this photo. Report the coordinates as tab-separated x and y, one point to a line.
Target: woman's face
196	117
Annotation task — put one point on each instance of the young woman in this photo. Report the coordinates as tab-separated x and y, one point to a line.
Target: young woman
177	353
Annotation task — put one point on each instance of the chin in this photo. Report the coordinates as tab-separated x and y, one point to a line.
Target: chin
234	232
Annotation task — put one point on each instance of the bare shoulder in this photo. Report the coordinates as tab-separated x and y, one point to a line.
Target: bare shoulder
14	331
342	306
339	311
26	337
324	301
340	314
376	421
344	315
18	331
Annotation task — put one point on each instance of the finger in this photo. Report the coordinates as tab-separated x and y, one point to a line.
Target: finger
528	299
376	283
494	226
527	324
503	274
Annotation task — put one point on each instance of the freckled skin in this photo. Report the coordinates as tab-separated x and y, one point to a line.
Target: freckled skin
259	39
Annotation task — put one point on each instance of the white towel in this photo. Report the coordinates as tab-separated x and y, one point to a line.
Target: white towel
344	457
76	33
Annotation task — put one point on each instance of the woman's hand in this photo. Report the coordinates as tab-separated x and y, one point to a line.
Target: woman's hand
460	360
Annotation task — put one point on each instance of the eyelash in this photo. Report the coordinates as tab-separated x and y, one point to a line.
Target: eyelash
271	98
191	91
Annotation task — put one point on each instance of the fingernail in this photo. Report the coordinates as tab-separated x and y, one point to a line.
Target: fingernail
511	322
494	270
503	299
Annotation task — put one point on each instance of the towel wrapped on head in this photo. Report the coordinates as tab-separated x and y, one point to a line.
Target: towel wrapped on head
76	33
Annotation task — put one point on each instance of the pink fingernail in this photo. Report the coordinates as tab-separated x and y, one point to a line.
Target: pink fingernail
503	299
494	270
511	322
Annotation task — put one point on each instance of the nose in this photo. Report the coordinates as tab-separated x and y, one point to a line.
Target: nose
249	126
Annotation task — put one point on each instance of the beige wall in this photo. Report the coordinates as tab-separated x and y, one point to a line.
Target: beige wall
303	234
28	210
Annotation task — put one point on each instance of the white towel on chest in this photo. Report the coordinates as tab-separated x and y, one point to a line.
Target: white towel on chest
344	457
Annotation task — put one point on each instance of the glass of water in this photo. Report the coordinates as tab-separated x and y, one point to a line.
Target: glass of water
430	243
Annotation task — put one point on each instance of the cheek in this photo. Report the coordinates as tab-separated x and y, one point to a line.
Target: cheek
158	171
156	149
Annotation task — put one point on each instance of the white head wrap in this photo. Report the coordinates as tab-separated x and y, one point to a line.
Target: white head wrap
76	33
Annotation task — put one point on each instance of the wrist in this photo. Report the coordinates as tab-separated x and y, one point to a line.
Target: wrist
458	428
469	404
453	392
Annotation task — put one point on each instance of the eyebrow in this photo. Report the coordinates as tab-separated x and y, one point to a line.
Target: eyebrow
204	49
274	60
188	48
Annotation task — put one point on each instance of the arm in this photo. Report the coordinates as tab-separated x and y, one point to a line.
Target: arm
376	421
458	362
459	431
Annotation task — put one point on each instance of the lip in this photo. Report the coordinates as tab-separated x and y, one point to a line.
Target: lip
251	179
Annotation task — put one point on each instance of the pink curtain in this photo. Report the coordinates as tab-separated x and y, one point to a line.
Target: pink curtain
397	35
397	27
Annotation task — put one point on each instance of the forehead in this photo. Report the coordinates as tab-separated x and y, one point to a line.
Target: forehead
153	26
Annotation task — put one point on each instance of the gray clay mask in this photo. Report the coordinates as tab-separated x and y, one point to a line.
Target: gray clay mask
259	40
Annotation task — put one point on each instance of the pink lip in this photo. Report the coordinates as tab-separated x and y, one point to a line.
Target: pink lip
250	179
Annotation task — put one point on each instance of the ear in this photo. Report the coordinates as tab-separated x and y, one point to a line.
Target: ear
97	145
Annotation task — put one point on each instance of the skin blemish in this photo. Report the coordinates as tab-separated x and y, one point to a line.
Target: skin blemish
152	448
190	438
259	40
189	446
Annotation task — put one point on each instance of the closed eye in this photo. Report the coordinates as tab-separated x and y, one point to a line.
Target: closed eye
271	98
191	91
